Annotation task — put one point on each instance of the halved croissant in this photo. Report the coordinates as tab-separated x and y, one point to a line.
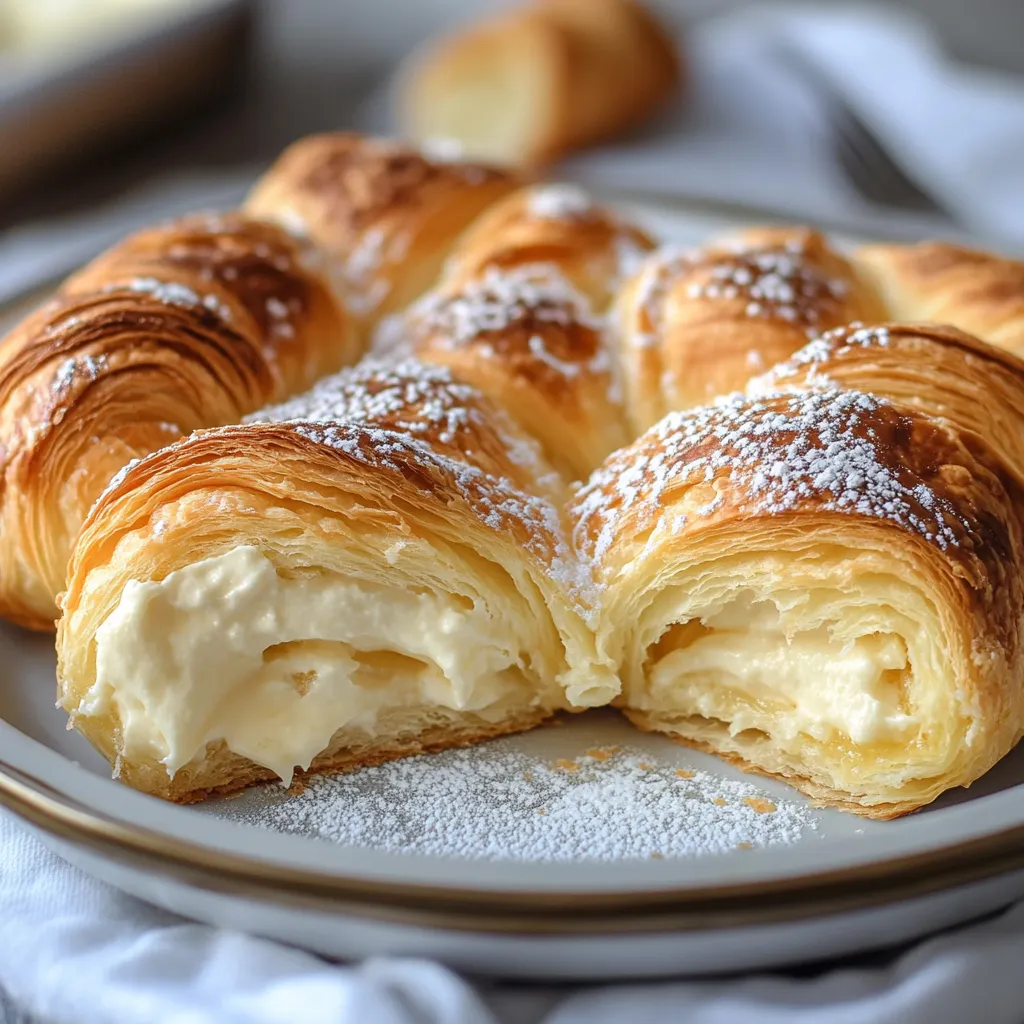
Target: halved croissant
825	584
369	572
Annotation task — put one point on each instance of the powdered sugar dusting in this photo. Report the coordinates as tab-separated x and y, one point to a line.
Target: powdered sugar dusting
118	478
530	296
496	502
76	368
500	803
777	282
808	361
500	298
779	451
410	395
559	202
174	293
391	415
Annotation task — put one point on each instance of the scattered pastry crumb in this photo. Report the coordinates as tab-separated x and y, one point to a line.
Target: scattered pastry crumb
759	805
601	753
744	846
497	802
300	784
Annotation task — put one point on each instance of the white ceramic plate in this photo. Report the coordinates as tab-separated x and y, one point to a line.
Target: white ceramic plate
827	883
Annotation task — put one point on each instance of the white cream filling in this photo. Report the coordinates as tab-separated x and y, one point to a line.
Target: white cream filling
743	668
229	649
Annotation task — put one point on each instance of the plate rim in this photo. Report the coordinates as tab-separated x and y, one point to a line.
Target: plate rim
759	902
804	898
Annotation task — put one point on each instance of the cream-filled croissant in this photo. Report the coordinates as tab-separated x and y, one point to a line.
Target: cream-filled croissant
373	570
822	584
191	324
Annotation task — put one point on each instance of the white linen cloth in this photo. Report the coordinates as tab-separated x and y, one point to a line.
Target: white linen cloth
749	131
73	951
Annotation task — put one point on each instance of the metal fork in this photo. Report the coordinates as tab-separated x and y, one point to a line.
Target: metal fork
861	155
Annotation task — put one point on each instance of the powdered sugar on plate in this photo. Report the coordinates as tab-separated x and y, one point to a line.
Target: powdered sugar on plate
499	802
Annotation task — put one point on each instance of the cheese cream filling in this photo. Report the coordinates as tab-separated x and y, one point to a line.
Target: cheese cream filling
229	649
742	666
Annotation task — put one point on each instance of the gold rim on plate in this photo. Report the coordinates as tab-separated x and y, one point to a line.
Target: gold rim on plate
437	906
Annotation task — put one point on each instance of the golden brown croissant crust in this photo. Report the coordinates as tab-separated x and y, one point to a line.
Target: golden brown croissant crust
558	225
697	324
176	329
943	283
384	214
530	341
821	451
940	371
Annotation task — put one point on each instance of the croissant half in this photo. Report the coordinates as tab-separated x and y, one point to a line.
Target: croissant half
824	584
375	570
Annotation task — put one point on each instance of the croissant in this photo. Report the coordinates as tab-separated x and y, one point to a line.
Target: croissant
693	325
942	283
191	324
372	570
533	84
384	215
516	313
824	584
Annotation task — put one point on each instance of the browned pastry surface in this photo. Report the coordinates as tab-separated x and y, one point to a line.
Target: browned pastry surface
384	215
977	291
557	225
188	325
528	339
693	325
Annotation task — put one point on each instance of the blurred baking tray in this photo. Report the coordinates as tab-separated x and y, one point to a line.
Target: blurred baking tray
59	103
